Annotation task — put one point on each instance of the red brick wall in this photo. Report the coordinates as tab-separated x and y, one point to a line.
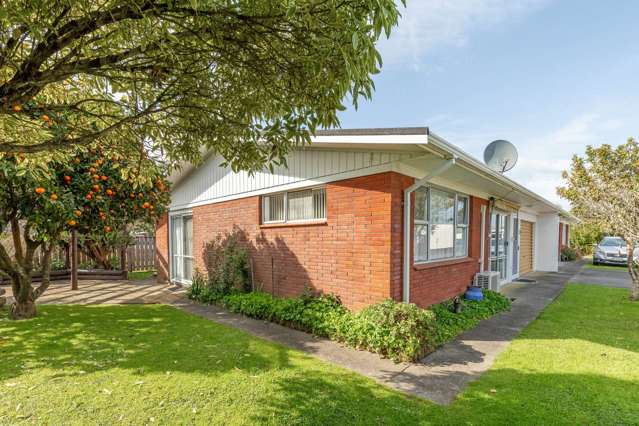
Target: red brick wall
356	253
348	255
434	282
162	248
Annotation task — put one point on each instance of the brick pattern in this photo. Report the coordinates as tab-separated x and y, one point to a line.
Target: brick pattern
356	253
162	248
348	255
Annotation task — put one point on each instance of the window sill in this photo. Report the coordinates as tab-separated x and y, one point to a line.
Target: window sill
292	224
438	264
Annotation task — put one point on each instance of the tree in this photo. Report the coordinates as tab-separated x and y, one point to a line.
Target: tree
603	188
43	196
584	236
248	79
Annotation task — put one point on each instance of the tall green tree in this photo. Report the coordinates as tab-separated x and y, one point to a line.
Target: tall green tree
603	188
246	78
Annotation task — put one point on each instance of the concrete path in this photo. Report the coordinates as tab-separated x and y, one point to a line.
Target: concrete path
439	377
609	278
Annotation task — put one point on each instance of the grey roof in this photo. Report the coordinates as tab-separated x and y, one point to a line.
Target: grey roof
374	131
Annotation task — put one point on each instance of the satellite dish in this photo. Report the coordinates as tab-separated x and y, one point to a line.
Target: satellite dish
500	156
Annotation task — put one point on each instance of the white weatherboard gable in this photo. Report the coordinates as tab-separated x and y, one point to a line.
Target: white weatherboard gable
211	183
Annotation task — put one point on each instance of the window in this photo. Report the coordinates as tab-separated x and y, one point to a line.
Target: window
441	225
308	204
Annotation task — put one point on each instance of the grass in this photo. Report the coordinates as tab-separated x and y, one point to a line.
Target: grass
616	268
576	364
140	275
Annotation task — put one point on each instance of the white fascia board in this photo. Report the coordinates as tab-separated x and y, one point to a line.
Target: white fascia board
292	186
418	139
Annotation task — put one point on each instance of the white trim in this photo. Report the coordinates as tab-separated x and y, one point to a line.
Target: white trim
180	213
482	239
419	139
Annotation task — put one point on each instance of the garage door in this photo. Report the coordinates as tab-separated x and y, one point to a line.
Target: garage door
526	245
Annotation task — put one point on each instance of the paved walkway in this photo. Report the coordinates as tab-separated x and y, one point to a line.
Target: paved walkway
439	377
610	278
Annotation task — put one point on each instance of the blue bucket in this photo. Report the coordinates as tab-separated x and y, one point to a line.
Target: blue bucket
474	293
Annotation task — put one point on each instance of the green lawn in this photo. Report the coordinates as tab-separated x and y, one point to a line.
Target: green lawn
140	275
617	268
577	364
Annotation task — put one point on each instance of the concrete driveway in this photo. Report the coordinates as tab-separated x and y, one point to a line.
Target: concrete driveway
608	278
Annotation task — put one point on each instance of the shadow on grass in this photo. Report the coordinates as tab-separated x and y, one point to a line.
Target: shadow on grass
82	339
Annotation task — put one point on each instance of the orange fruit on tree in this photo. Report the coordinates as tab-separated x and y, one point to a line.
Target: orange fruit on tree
96	188
77	213
89	196
17	108
40	190
132	195
140	195
72	222
98	197
103	177
146	205
107	229
53	197
45	117
109	192
92	170
96	177
67	178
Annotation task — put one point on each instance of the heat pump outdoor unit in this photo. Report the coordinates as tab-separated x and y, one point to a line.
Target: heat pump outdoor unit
487	280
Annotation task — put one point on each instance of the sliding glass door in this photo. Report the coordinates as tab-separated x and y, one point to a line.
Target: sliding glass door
182	248
499	244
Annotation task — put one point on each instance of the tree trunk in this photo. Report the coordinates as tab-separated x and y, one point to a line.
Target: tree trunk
24	306
633	268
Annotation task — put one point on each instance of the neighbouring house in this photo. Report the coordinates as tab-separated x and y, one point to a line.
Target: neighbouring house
366	214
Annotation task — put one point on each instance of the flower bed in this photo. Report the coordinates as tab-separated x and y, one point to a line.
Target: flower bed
399	331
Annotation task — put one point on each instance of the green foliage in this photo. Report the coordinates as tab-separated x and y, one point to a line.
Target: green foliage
227	265
57	264
399	331
144	71
569	254
584	236
451	324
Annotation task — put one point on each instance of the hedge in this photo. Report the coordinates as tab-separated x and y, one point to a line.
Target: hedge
399	331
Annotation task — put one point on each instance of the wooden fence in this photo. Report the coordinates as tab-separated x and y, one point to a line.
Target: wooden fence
140	256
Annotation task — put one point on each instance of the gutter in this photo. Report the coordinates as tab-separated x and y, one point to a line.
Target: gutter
407	222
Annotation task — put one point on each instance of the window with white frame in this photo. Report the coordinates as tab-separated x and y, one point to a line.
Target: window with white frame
294	206
441	224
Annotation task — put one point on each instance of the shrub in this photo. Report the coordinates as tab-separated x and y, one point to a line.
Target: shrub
227	265
568	254
450	324
315	315
399	331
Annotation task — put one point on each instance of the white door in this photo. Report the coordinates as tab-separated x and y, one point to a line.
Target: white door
499	244
181	248
515	248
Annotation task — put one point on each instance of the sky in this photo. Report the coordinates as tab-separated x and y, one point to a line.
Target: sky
549	76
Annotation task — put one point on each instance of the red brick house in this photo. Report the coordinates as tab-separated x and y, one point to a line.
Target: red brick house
366	214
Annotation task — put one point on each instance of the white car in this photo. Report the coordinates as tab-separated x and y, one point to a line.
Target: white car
613	251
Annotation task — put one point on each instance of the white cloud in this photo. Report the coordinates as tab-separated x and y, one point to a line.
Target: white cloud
428	24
